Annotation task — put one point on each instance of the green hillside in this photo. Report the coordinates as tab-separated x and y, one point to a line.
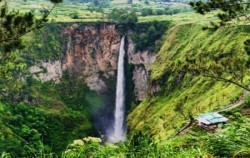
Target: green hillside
157	114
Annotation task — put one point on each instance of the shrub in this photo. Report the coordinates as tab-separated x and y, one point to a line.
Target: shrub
247	100
146	12
145	35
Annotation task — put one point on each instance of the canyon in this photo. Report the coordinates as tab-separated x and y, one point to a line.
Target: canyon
91	78
92	53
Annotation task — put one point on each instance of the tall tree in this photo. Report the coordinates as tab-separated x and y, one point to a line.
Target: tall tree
13	26
229	9
227	67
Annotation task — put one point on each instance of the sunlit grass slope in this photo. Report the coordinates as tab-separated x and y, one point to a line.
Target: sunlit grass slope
157	114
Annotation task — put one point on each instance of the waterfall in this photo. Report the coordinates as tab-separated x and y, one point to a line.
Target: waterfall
118	130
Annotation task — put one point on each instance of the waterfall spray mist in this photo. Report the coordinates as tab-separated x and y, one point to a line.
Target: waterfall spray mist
118	130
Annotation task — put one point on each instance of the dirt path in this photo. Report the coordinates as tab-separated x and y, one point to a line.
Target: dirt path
183	130
236	104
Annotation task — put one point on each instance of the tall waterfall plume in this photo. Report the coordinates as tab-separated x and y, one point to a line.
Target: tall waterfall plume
119	130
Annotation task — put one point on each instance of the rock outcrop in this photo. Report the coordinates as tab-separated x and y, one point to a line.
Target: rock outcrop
46	71
142	61
92	52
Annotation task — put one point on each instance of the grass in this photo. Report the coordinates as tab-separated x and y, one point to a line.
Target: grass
64	12
157	115
194	41
181	18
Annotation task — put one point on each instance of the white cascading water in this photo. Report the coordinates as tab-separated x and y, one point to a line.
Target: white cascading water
118	131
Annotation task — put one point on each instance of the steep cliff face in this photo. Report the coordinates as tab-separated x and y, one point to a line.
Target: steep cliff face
92	53
142	61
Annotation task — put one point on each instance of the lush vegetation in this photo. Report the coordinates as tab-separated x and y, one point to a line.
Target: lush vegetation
197	143
49	44
234	10
166	11
14	25
159	113
123	16
98	10
46	122
42	119
147	36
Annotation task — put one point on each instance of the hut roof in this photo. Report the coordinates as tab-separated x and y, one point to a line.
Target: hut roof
211	118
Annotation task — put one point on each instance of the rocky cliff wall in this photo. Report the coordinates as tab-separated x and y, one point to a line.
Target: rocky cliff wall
92	53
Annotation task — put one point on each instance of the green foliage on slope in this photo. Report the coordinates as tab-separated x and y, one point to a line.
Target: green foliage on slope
147	36
29	131
44	119
163	112
230	141
48	43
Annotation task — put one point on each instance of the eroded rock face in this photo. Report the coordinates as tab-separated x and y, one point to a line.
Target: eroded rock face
142	62
141	82
92	53
144	58
46	71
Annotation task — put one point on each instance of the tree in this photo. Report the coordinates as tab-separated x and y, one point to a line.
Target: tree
96	2
130	1
230	9
146	12
123	16
13	26
159	11
226	67
131	19
187	113
115	14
